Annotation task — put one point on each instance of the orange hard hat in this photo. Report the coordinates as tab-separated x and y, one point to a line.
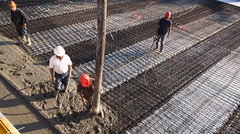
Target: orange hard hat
12	4
168	14
85	80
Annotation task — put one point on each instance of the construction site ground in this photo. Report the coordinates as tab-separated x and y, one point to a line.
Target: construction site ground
191	88
18	111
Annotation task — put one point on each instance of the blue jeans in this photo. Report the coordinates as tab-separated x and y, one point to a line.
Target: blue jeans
61	79
21	31
162	37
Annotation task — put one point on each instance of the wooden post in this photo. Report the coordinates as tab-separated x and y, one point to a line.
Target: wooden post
100	50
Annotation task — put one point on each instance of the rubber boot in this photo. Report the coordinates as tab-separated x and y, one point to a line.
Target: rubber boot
55	93
24	40
29	43
19	41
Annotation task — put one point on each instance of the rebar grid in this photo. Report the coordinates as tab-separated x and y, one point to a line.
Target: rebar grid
51	9
232	125
182	68
110	48
122	65
71	18
202	107
143	94
20	3
67	36
48	47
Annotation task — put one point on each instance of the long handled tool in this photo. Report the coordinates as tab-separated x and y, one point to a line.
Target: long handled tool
60	106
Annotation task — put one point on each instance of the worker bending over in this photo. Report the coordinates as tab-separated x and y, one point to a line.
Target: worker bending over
86	89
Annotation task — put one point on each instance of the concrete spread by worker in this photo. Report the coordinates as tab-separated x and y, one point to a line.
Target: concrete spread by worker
86	89
60	66
20	20
163	28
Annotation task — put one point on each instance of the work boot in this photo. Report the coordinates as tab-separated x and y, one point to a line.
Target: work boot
29	43
155	49
24	40
19	42
55	93
64	89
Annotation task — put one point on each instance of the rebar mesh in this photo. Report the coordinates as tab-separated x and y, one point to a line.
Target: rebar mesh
122	65
202	107
186	90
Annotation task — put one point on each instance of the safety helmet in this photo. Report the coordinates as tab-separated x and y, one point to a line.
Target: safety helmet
59	51
85	80
168	14
12	4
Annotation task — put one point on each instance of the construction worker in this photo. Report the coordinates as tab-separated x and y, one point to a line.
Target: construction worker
19	20
85	90
60	66
164	26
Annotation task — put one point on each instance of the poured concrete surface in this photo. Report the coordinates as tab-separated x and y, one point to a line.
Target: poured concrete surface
22	115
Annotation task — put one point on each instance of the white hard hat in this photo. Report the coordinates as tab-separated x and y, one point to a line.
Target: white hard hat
59	51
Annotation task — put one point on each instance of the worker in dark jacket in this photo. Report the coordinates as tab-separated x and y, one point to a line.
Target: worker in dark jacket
86	89
163	28
19	20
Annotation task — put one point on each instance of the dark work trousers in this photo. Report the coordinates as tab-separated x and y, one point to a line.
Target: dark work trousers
160	37
21	31
89	102
61	79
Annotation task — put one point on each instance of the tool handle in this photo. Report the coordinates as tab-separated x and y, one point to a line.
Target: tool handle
60	106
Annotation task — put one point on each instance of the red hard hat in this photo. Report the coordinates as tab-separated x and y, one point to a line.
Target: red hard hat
85	80
12	4
168	14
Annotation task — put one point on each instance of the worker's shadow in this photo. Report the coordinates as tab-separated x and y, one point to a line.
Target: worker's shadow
7	43
8	102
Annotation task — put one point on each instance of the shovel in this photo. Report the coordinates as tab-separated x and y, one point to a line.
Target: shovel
60	106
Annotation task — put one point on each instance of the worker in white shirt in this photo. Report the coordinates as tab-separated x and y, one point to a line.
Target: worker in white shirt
60	66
